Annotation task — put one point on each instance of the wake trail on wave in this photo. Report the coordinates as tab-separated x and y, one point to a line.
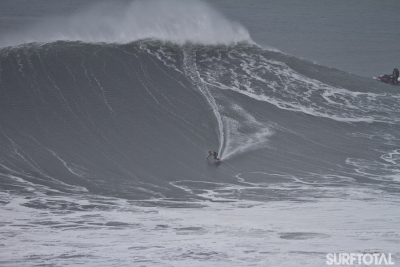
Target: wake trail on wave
238	131
191	71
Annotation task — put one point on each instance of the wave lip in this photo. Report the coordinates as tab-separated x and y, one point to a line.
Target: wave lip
170	21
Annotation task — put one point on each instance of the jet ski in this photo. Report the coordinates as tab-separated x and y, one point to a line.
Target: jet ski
387	79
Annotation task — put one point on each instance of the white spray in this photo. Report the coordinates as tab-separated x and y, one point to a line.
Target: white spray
173	21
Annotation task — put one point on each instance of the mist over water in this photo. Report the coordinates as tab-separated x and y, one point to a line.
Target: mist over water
171	21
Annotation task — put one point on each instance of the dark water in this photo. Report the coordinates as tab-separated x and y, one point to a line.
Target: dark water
104	144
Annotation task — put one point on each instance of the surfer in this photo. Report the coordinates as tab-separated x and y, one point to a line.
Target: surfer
395	76
213	153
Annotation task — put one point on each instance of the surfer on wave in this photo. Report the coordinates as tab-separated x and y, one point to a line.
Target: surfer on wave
213	153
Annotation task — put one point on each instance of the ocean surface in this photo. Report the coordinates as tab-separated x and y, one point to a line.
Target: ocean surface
108	111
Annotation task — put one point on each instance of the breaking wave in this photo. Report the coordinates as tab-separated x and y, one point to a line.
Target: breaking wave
170	21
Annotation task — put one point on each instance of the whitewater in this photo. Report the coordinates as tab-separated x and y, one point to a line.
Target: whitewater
107	115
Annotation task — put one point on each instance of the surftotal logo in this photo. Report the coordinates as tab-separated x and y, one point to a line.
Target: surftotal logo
359	258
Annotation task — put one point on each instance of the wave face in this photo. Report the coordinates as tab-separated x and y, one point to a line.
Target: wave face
136	120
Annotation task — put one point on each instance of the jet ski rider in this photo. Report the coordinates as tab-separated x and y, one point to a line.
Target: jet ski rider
395	76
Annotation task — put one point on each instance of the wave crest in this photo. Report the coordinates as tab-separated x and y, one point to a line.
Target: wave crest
171	21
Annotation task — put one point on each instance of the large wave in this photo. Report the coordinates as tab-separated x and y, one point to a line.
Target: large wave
128	104
145	114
